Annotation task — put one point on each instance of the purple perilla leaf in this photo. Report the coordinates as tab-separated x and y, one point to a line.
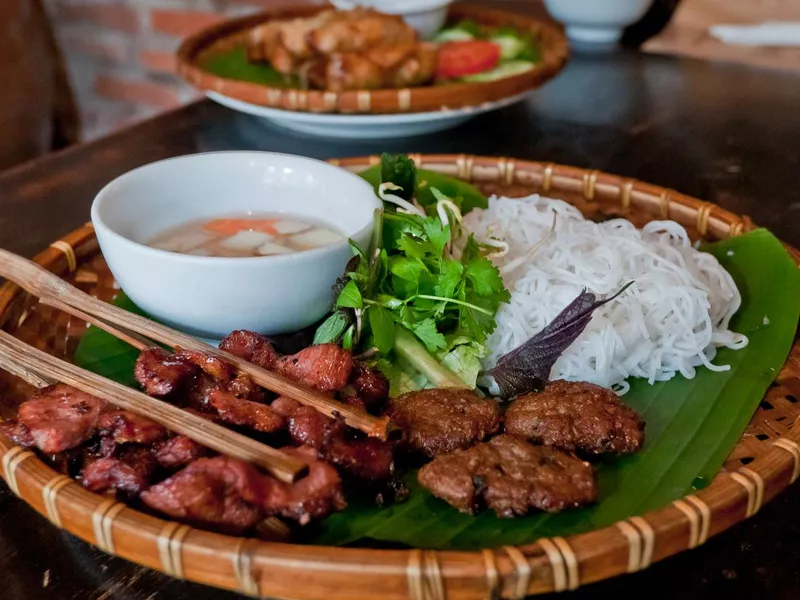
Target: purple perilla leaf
527	368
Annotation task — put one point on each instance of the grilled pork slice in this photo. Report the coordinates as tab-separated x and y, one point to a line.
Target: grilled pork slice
178	451
60	417
325	367
250	346
221	493
365	458
161	374
127	475
126	427
245	413
230	496
316	495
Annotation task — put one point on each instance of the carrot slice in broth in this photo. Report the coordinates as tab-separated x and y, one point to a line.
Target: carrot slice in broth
234	226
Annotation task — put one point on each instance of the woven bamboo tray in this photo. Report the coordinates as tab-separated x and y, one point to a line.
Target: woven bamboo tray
230	34
769	447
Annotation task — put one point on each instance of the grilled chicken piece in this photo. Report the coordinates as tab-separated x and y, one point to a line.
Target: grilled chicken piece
346	50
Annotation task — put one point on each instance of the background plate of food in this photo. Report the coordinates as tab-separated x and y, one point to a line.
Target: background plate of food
350	73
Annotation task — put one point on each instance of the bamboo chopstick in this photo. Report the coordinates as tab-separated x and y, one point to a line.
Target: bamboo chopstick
25	360
52	289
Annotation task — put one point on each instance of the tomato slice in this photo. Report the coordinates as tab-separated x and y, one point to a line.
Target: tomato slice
468	57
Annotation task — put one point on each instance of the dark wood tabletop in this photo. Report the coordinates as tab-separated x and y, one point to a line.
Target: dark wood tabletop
724	133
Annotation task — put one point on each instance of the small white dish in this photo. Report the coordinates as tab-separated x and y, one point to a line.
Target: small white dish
426	16
596	22
365	127
211	296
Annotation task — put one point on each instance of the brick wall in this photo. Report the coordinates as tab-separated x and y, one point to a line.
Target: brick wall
119	53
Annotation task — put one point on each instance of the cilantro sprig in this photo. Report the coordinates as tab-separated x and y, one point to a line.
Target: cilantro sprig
418	285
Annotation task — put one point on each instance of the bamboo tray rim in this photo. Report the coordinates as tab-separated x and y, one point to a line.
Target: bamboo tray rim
552	564
418	99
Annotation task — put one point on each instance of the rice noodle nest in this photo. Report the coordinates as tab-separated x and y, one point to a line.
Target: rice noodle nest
671	320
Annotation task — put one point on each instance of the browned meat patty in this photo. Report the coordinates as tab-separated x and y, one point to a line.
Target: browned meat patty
317	494
576	417
125	427
325	367
60	417
365	458
220	493
235	411
159	373
250	346
510	476
178	451
371	386
438	421
128	475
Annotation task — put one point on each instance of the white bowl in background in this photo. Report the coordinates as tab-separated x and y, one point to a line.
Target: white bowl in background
597	21
212	296
426	16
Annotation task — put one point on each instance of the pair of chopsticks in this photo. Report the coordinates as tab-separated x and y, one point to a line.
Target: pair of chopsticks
40	368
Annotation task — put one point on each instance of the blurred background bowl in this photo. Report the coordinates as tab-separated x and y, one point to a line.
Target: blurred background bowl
596	22
426	16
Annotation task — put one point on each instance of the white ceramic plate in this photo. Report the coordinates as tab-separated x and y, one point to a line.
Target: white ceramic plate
365	126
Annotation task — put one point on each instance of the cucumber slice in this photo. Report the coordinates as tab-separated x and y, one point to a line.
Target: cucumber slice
453	35
506	69
510	45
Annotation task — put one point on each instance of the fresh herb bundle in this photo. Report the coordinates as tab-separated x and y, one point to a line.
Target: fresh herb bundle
410	294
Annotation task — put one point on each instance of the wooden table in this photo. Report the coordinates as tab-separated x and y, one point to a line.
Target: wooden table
725	133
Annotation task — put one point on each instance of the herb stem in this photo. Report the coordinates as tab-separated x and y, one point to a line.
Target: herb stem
409	347
454	301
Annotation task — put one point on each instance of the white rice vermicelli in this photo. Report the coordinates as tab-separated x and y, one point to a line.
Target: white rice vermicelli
671	320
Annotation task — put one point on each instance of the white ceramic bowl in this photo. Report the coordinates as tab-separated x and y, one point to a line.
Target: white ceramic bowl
597	21
426	16
211	296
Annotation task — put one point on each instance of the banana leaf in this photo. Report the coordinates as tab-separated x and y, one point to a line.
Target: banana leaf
692	425
233	64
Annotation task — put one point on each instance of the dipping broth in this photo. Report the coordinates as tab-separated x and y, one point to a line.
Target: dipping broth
249	235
